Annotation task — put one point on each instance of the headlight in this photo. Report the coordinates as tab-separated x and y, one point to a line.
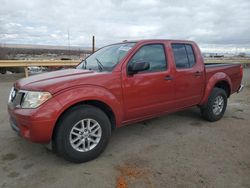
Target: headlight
33	99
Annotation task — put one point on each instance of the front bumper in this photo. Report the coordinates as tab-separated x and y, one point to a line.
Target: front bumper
35	125
34	131
14	126
240	88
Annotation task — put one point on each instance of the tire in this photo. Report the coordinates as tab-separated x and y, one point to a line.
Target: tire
68	131
209	111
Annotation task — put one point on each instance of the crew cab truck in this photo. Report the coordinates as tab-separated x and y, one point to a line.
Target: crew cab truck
77	109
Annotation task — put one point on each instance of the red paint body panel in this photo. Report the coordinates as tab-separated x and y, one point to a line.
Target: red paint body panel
36	124
229	73
131	98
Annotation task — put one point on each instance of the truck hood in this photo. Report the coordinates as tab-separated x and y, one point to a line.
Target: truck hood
56	80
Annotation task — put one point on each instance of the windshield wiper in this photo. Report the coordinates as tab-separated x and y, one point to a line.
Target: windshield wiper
100	65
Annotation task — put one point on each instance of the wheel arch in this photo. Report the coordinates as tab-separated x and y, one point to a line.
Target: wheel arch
96	103
223	84
89	95
220	80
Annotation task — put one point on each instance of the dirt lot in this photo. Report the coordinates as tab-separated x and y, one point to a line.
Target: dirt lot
178	150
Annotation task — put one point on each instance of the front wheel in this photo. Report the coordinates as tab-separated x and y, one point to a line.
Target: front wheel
216	105
82	133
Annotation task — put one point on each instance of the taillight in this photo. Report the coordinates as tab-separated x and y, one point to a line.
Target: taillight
241	71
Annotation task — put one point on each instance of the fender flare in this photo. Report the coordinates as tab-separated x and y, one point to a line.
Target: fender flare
213	80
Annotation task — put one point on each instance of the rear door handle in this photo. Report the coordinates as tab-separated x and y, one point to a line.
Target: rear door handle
197	73
168	78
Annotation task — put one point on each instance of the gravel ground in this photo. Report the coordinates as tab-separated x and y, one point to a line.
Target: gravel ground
177	150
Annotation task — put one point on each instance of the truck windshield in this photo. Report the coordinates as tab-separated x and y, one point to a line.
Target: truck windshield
106	58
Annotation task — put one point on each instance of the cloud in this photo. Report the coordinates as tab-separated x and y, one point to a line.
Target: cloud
47	22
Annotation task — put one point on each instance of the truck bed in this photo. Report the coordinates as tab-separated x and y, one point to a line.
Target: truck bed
218	64
232	70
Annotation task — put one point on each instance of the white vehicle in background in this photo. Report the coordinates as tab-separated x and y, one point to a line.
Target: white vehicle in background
36	70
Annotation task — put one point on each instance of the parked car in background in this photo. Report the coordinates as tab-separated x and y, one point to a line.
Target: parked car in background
36	70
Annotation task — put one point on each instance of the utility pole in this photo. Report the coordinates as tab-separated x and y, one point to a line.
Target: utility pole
69	44
93	44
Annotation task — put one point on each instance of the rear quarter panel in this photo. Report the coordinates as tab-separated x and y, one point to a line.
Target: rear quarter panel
214	74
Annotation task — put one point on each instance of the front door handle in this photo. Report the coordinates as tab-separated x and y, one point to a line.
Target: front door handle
197	73
168	78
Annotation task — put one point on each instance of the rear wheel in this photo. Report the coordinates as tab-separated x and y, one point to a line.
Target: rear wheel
82	133
216	105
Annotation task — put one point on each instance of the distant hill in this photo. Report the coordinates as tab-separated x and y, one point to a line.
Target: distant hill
27	51
49	47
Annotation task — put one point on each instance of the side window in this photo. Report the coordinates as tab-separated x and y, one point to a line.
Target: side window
190	54
183	55
153	54
180	56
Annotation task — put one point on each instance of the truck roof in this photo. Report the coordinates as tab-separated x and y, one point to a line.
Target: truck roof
158	40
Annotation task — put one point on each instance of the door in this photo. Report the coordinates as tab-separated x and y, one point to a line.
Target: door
189	76
148	92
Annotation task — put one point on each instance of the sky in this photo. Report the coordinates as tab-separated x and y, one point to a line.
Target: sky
213	24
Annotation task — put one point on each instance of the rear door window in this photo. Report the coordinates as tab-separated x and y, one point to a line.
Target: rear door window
183	55
190	54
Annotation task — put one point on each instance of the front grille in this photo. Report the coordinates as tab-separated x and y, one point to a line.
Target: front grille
16	97
13	94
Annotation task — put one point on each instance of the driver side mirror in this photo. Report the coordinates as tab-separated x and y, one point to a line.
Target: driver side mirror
137	67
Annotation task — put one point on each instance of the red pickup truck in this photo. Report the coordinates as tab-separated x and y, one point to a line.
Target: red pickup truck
123	83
